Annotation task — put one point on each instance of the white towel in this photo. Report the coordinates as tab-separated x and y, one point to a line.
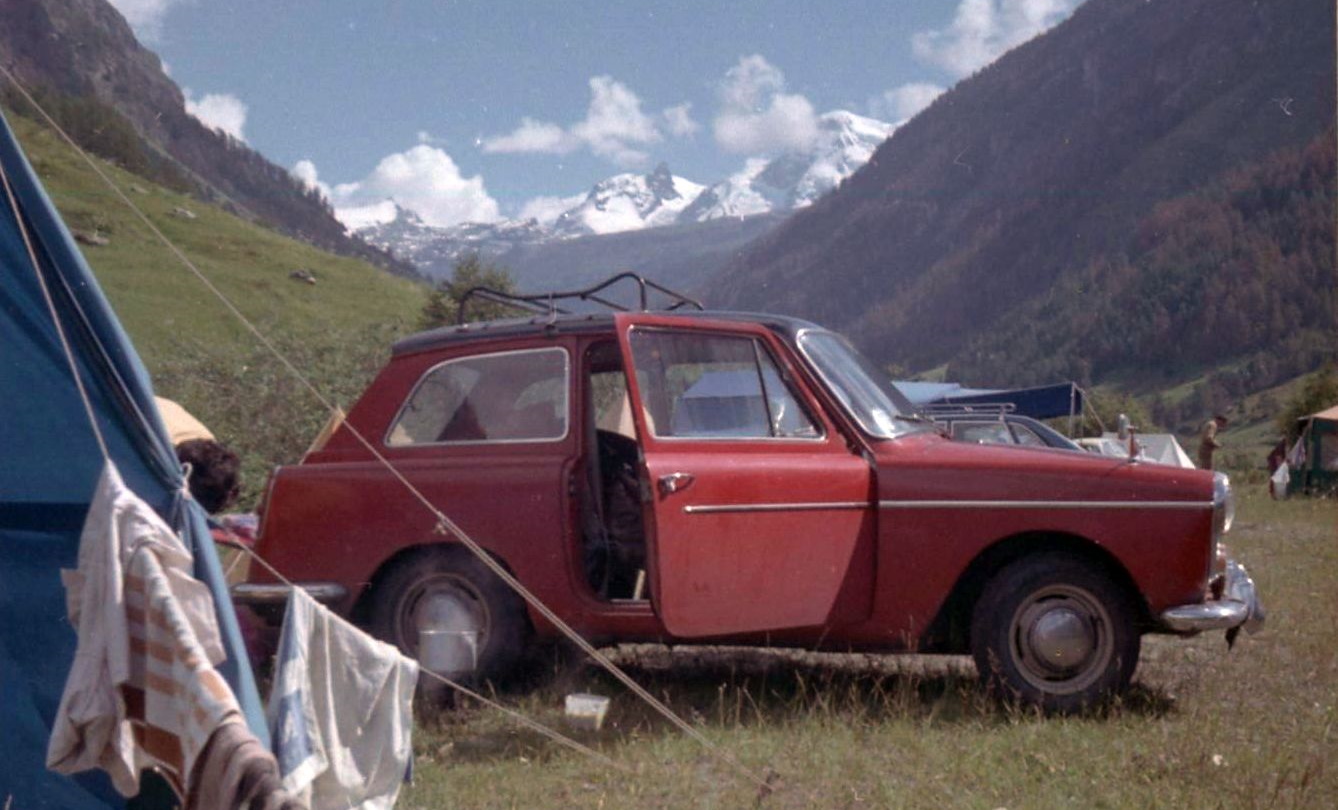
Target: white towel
341	711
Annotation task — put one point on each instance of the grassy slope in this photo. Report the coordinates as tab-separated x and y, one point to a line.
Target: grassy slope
1256	727
337	330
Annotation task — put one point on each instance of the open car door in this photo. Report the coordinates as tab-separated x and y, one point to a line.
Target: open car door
759	516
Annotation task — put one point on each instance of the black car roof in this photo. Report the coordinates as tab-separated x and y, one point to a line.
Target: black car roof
595	323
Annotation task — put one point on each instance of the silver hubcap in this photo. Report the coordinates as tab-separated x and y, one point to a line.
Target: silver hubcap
1061	639
444	603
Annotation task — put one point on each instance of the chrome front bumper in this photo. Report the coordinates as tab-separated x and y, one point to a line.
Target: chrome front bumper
1239	606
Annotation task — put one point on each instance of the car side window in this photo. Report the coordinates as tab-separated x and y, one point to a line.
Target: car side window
715	386
981	432
1027	436
517	396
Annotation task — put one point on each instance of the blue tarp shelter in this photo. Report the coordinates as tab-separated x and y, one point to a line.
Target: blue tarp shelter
1042	402
49	464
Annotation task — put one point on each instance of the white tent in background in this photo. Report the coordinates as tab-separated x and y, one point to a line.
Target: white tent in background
1158	448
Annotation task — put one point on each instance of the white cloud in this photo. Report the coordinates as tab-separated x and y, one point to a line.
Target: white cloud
533	136
614	128
756	115
902	103
362	216
423	179
678	120
305	172
145	16
547	209
221	111
614	123
982	30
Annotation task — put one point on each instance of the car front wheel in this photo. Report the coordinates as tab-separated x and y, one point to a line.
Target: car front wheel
1052	631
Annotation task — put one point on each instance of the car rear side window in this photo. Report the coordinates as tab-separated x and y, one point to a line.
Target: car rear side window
715	387
517	396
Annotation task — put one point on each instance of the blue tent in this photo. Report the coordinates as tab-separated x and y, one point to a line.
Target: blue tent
50	464
1042	402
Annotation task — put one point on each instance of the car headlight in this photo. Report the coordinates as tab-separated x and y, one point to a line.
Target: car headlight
1224	505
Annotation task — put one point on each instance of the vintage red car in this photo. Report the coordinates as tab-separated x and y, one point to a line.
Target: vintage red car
724	478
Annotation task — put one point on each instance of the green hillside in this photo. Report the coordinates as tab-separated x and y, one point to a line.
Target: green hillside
337	330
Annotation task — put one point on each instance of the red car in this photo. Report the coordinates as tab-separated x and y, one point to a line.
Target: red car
735	479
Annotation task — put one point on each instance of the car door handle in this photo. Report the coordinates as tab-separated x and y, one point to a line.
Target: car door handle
673	482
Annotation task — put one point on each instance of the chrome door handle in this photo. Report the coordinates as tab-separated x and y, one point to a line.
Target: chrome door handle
673	482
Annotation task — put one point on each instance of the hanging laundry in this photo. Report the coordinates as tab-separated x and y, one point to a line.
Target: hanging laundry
143	691
236	771
341	710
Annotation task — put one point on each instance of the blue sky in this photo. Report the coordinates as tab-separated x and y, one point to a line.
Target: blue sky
473	110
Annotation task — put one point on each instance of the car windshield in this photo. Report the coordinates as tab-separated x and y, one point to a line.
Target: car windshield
865	392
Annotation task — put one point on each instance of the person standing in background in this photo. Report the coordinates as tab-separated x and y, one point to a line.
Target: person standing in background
1208	442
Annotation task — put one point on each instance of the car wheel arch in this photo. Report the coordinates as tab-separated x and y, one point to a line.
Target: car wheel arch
950	629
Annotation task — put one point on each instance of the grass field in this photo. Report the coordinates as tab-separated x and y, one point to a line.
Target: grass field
1256	727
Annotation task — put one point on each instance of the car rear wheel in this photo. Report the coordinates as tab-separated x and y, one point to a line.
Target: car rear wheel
446	609
1052	631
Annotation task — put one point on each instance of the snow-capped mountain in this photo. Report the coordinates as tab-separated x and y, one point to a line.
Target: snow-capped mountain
629	202
793	180
635	202
434	250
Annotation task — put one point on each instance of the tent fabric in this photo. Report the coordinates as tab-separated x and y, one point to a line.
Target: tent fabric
181	425
1042	402
1317	453
1159	448
1326	415
46	484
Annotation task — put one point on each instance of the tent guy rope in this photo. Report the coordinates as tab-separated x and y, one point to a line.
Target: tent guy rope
444	523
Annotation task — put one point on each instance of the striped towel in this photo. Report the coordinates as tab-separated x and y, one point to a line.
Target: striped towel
142	690
174	697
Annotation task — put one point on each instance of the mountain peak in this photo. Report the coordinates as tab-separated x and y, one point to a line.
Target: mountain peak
795	179
661	183
627	202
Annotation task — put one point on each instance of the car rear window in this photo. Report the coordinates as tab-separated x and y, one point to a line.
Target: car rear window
517	396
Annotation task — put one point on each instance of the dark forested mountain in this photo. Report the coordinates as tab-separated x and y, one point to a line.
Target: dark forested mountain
1243	269
1047	177
83	62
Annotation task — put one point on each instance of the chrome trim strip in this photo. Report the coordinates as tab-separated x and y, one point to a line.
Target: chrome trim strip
1204	505
697	509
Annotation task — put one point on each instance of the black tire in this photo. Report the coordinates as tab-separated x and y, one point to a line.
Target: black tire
1053	631
477	595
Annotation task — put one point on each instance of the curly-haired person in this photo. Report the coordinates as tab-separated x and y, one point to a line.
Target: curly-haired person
215	473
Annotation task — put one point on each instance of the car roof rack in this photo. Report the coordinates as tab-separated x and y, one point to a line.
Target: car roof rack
989	410
547	303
